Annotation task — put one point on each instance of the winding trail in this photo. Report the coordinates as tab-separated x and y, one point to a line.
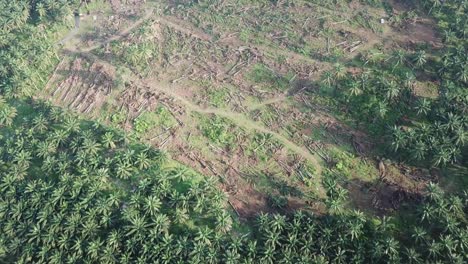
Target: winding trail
273	100
169	89
238	119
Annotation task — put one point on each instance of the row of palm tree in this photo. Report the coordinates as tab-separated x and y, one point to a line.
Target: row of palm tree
77	208
69	184
423	128
27	51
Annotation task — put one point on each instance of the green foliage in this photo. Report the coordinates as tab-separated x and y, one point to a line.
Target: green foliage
139	50
148	120
365	20
383	96
218	130
261	146
218	96
352	167
73	191
118	118
142	124
277	201
28	51
7	113
307	174
262	74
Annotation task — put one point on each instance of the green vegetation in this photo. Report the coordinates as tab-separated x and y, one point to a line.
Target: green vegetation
74	191
264	75
327	100
261	146
139	51
383	95
160	117
218	130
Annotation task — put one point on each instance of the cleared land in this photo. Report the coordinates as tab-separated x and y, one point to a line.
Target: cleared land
240	105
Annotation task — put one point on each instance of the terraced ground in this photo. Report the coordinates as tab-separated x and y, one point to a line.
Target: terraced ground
238	93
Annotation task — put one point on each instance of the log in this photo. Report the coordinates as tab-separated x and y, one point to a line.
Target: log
235	210
90	106
53	74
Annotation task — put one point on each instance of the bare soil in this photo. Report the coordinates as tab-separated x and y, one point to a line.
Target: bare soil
178	79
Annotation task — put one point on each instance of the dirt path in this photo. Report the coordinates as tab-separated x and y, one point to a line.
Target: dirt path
238	119
168	88
273	100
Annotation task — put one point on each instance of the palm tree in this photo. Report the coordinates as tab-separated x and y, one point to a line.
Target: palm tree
60	137
327	79
123	170
434	192
152	205
72	124
399	138
55	114
204	235
423	106
108	140
420	58
223	222
460	136
412	255
90	146
398	57
381	109
40	123
355	230
392	90
390	248
448	243
419	150
231	257
142	161
277	223
435	4
94	248
419	234
181	216
355	89
138	225
339	71
441	156
161	223
7	114
44	149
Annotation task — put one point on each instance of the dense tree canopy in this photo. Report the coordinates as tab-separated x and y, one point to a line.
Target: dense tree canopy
421	128
74	191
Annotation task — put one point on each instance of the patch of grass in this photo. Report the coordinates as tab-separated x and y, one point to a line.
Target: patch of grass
264	75
366	20
118	117
261	146
244	35
351	167
218	96
148	120
96	5
218	130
